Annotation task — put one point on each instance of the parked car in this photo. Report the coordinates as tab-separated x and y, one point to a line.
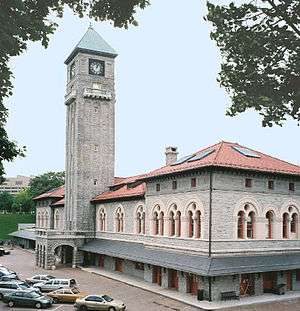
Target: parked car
7	288
27	299
66	295
3	251
55	284
99	302
9	277
39	278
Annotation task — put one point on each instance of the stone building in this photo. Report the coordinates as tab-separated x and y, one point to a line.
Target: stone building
225	218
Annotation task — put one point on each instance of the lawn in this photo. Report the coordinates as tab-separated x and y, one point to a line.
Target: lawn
9	223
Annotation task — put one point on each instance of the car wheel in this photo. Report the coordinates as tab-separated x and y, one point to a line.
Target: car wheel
111	309
83	308
11	304
38	305
1	296
55	300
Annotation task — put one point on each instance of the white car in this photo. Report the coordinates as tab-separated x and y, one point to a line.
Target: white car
55	284
40	278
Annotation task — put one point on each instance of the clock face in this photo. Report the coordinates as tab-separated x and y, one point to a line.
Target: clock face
72	71
96	67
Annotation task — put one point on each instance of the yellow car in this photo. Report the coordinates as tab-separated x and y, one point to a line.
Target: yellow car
66	295
99	302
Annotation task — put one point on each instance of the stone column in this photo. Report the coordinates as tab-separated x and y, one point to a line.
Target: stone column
164	278
184	227
258	285
77	257
182	286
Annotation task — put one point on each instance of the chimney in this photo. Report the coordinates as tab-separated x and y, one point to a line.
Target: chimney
171	155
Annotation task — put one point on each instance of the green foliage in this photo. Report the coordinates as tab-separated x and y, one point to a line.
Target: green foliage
45	182
23	202
260	47
23	21
6	201
9	223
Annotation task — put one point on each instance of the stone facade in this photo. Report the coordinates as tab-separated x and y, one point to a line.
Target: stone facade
198	210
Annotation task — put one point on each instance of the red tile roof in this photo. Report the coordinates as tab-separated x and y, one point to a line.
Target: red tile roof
127	180
226	156
53	193
121	193
60	202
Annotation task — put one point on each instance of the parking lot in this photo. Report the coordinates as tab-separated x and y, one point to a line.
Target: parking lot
135	299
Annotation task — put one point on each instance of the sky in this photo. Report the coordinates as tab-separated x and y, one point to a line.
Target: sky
166	89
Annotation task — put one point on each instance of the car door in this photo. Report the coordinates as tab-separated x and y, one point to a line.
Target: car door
101	304
68	295
47	287
93	303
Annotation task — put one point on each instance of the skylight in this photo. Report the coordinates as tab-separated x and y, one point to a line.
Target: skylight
201	155
246	152
182	160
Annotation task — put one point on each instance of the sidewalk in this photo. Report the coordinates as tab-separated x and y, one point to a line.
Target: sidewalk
189	299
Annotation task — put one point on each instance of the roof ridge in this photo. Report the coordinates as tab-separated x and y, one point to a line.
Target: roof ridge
218	151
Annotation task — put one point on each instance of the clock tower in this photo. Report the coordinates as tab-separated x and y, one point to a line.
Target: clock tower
90	130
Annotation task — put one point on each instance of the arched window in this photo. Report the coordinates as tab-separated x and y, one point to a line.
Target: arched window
119	220
57	219
250	225
155	224
240	225
198	225
102	220
140	220
172	224
270	220
178	223
39	220
161	223
285	225
294	223
190	224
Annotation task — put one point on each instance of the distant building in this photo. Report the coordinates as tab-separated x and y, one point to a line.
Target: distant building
14	185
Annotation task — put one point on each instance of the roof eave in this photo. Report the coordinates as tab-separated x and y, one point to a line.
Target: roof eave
78	50
125	198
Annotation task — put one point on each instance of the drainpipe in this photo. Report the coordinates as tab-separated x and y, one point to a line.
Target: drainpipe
210	230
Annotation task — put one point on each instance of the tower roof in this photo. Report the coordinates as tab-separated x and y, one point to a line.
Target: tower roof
92	43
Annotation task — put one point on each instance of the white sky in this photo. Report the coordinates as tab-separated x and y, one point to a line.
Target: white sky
166	89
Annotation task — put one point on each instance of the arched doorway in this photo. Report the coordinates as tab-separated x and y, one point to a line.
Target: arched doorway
63	255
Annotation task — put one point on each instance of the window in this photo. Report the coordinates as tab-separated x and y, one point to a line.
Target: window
285	221
250	225
174	184
294	223
191	224
140	220
178	223
95	182
161	223
193	182
102	220
291	186
298	275
119	220
271	184
172	224
157	187
156	224
139	266
269	217
240	226
248	182
198	225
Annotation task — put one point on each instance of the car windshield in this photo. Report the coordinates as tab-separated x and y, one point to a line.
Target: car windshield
75	291
35	295
24	286
50	277
107	298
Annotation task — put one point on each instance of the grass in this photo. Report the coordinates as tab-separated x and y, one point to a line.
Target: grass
9	223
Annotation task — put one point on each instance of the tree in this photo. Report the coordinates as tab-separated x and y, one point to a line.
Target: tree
6	201
23	202
45	182
30	20
260	47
